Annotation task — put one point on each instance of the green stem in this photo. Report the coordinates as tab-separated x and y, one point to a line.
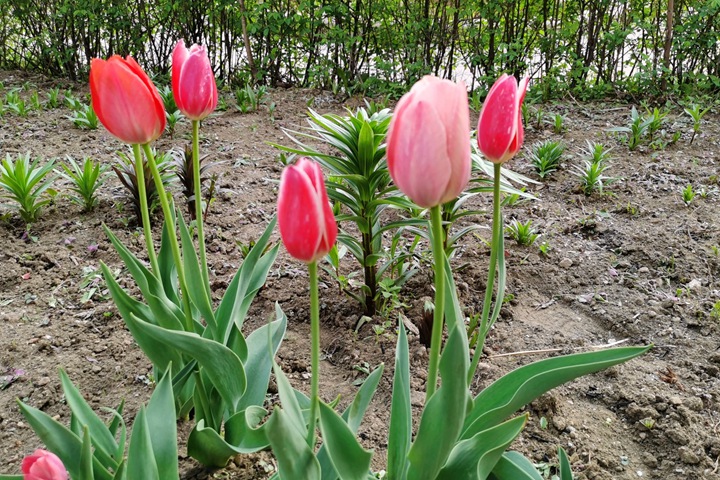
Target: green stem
174	245
494	247
144	210
198	202
314	353
439	312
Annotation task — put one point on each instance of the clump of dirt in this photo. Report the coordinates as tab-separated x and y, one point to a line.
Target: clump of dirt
634	265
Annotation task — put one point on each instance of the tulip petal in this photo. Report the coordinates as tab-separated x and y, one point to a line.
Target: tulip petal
418	154
180	54
299	220
498	121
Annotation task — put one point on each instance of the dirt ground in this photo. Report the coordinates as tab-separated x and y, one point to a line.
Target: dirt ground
635	264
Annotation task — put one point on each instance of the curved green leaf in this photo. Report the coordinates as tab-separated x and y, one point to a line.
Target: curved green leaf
400	433
350	460
514	466
162	428
295	458
565	467
141	460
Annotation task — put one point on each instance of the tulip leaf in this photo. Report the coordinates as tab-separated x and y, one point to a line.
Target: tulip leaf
61	441
295	458
350	460
86	456
521	386
141	460
166	263
121	474
207	447
565	467
162	427
514	466
260	358
101	436
221	364
245	432
476	457
197	288
442	419
400	433
245	285
11	477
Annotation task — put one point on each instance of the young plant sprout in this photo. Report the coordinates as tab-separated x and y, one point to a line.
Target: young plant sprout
523	233
24	181
545	157
697	114
85	179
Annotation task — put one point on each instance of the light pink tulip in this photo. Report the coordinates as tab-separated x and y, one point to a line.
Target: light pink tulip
428	147
307	224
125	100
500	130
193	81
43	465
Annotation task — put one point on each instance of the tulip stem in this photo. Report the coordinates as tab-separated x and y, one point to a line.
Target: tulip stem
314	353
439	311
144	211
496	249
174	246
197	183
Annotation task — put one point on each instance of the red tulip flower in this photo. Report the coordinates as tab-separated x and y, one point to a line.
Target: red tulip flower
428	151
307	224
193	81
500	130
125	100
43	465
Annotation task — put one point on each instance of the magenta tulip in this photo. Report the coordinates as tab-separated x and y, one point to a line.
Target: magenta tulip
193	81
43	465
307	224
125	100
428	151
500	130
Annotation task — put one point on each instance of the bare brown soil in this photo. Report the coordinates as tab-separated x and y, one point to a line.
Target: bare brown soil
634	264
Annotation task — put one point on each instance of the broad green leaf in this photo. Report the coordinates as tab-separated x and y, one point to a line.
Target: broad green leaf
166	263
244	430
207	447
295	458
141	460
260	359
476	457
121	473
222	366
162	427
400	433
350	460
290	402
101	436
565	467
199	292
442	419
521	386
514	466
61	441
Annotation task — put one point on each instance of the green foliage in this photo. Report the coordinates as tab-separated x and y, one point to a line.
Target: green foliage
85	181
249	99
53	98
592	173
523	233
697	114
24	182
184	171
545	157
636	130
85	118
168	98
688	194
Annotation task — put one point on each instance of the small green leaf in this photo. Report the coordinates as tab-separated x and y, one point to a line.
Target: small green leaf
141	460
565	467
400	433
86	456
514	466
295	458
162	427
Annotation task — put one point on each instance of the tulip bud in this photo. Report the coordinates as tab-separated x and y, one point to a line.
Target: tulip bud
193	81
43	465
500	130
125	100
428	151
307	224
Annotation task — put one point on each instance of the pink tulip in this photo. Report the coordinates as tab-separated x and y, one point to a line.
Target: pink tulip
43	465
307	224
500	130
125	100
193	81
428	151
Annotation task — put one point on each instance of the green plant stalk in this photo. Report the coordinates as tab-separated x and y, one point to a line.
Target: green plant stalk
198	202
497	230
439	312
369	271
174	245
314	353
145	212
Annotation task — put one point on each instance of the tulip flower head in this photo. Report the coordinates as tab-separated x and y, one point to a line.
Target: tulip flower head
500	130
193	81
125	100
307	224
43	465
428	152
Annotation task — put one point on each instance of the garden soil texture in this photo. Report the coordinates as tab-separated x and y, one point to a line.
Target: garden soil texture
635	264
